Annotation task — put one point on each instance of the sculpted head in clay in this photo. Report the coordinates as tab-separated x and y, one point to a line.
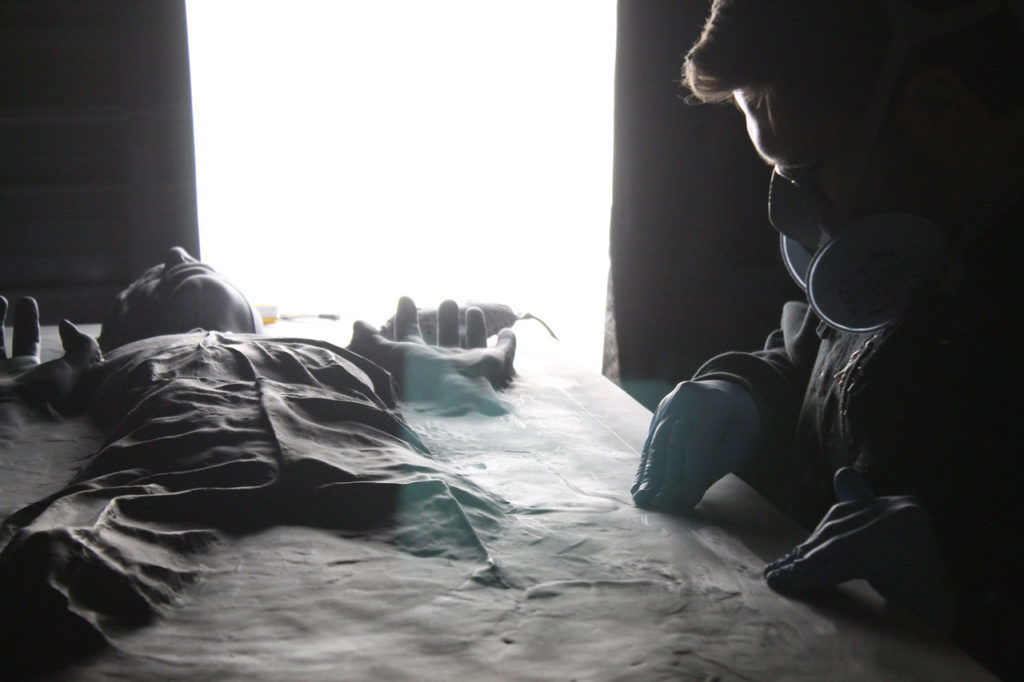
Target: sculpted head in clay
178	295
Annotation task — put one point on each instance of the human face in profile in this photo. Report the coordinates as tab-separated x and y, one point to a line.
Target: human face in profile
837	166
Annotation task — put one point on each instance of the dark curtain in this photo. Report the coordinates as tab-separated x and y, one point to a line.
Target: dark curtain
695	265
97	170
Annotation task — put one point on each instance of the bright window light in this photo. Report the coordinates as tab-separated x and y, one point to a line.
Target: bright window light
349	152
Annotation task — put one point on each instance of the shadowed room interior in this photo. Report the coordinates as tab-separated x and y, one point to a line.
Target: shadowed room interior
98	175
251	498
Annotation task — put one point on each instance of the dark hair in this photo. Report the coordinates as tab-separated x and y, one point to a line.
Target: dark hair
830	51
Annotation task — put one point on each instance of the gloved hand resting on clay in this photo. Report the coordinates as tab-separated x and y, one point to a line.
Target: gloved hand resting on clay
458	375
700	432
886	540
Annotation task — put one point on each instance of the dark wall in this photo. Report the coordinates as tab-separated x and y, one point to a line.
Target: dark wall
695	265
97	172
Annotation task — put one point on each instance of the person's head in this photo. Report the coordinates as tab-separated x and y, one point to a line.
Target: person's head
883	105
177	296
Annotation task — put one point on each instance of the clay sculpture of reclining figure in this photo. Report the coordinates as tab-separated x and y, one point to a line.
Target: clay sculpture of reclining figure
210	432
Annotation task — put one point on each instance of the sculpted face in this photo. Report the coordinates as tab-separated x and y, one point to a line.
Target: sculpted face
176	296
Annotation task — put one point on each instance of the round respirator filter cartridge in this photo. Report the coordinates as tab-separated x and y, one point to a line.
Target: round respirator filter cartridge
864	278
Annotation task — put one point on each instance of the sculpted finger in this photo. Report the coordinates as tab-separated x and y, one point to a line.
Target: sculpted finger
448	324
476	328
836	512
645	451
26	328
506	347
407	321
3	318
506	343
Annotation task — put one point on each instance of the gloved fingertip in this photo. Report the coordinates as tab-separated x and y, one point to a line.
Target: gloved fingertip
786	559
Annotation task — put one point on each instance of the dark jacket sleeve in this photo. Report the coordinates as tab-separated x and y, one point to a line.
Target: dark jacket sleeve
939	418
777	378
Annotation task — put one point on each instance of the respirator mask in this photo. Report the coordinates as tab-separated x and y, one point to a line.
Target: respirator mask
861	273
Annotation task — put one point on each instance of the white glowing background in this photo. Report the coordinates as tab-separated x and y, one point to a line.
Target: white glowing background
349	152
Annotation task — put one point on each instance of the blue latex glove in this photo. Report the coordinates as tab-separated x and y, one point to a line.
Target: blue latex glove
58	383
700	432
886	540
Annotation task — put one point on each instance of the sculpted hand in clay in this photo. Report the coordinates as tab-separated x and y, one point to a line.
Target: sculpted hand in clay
25	350
456	380
176	296
56	384
888	541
